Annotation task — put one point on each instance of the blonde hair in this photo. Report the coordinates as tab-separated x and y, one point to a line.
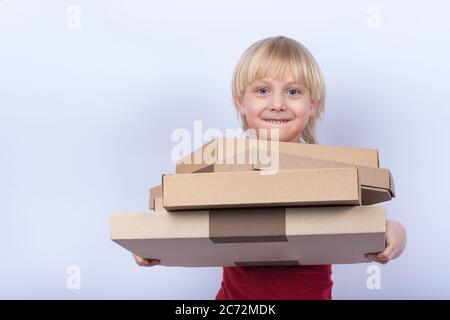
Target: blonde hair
275	56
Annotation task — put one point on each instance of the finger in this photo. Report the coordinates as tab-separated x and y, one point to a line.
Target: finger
374	258
153	262
386	255
383	256
387	252
142	262
371	256
150	262
136	259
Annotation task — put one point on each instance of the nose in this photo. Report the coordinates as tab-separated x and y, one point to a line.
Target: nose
278	103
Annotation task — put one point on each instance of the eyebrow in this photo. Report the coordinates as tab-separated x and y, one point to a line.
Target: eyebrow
288	84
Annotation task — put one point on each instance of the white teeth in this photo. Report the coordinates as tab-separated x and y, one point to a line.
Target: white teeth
277	121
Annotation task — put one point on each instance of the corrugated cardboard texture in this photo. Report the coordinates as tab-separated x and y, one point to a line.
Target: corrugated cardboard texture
222	149
159	205
171	225
251	189
320	235
372	180
369	176
374	195
217	167
346	220
155	192
247	225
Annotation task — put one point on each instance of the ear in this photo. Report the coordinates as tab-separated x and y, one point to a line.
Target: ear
314	106
238	103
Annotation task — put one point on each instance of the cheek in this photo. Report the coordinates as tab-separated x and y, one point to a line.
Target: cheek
301	111
252	118
252	109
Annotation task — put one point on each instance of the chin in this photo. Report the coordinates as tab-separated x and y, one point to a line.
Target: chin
288	138
284	135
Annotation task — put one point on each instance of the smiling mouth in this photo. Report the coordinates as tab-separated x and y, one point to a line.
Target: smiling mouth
272	121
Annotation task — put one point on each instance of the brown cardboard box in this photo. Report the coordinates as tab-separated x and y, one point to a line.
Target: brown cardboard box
304	187
155	192
253	237
369	176
226	150
159	205
377	184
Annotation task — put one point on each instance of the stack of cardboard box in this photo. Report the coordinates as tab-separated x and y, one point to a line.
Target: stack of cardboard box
247	202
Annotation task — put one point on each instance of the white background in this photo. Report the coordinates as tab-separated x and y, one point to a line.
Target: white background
86	117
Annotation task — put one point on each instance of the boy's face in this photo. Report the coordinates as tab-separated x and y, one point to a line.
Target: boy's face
272	104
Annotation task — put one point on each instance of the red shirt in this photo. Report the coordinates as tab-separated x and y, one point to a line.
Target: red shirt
276	283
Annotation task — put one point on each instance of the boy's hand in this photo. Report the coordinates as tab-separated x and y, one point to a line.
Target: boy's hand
146	262
395	243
